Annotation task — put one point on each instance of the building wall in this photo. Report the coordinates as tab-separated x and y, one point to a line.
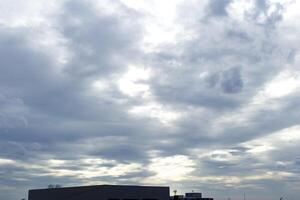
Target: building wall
101	192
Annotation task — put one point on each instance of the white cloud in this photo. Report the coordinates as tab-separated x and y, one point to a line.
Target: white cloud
156	111
4	161
275	141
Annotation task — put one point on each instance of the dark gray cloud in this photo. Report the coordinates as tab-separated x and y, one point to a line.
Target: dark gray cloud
229	81
121	152
102	43
266	13
217	8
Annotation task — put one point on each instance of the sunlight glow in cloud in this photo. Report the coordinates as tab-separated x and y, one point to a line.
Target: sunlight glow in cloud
279	140
173	168
160	21
132	84
287	82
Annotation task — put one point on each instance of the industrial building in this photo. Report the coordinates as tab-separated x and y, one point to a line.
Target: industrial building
110	192
101	192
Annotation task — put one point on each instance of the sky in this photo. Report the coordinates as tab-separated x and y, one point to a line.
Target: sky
198	95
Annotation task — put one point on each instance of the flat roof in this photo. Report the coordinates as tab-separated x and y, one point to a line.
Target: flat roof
100	186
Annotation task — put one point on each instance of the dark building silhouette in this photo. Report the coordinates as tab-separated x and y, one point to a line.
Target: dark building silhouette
101	192
190	196
193	196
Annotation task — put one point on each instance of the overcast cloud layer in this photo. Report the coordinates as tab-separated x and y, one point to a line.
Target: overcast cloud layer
199	95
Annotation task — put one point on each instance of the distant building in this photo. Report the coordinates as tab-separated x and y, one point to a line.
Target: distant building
190	196
101	192
193	196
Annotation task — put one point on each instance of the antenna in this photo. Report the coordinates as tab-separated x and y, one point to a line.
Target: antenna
282	198
175	191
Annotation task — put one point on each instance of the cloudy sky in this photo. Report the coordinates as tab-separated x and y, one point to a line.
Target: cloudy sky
200	95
